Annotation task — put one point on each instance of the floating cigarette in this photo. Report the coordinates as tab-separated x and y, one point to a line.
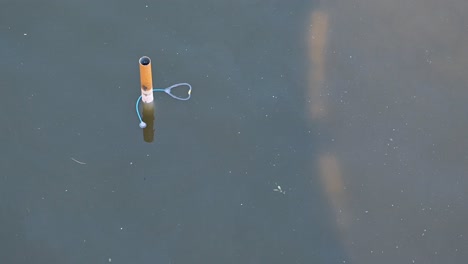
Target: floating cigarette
146	80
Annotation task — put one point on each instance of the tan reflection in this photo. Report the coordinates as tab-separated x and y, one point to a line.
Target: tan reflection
317	41
329	167
332	181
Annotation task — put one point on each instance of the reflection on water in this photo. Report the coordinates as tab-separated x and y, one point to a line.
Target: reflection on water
393	95
317	40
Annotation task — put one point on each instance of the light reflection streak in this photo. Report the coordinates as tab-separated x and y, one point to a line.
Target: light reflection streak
330	172
317	41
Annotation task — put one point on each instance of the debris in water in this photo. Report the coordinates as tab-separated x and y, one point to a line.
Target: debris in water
77	161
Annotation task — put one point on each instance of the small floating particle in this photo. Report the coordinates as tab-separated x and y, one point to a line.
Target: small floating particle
77	161
278	189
